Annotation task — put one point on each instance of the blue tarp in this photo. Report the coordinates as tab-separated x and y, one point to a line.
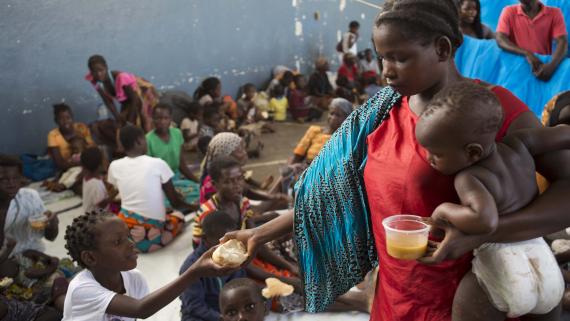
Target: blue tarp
483	59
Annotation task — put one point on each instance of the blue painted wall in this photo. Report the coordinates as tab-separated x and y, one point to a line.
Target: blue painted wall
44	46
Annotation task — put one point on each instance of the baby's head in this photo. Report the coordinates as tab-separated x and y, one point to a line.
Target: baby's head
459	126
101	240
240	300
77	144
215	225
92	160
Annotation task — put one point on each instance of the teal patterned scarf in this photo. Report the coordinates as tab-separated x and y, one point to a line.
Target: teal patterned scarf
333	231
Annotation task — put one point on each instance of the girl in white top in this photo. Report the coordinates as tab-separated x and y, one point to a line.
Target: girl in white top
110	288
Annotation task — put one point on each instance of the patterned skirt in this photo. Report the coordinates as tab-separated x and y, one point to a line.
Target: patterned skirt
150	234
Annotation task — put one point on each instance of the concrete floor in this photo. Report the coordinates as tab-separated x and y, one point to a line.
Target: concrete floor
161	267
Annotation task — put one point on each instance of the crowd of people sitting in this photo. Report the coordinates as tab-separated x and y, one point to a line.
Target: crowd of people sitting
141	187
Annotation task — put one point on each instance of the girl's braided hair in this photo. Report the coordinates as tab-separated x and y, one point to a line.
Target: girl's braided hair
423	19
80	235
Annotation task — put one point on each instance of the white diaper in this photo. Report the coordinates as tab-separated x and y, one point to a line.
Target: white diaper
520	278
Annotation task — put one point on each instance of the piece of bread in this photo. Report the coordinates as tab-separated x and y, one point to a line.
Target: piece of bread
276	288
230	254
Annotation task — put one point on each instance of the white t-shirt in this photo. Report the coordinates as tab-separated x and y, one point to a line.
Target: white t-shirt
87	299
191	125
94	192
139	181
25	205
346	39
369	66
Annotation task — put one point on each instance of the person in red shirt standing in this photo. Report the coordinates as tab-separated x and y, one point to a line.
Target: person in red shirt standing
530	28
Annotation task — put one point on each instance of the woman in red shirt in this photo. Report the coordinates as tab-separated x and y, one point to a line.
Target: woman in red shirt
339	207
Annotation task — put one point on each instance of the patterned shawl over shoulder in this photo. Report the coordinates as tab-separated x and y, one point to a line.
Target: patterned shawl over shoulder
333	232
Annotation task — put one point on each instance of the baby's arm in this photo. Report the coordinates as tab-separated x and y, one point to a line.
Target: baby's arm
125	306
477	213
544	140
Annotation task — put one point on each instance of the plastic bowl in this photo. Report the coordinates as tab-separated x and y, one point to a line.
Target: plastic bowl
406	236
39	222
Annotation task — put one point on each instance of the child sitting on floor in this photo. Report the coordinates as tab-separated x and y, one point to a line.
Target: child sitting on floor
246	105
200	300
70	179
190	126
212	123
241	299
110	288
97	194
458	130
142	182
278	104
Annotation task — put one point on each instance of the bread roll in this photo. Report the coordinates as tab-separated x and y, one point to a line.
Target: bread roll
230	254
275	288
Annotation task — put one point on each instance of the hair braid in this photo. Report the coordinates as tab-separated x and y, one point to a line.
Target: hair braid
424	19
80	234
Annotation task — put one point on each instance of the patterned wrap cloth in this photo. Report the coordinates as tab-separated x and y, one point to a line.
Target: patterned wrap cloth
333	231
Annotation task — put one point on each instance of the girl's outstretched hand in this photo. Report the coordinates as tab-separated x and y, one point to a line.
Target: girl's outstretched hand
248	238
206	267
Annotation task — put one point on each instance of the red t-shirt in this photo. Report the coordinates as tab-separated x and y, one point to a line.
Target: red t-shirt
399	180
535	35
349	72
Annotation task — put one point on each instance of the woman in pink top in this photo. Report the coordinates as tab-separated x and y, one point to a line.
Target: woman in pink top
136	96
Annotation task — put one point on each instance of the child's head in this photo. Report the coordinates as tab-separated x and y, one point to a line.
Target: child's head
203	143
10	177
278	91
212	116
353	26
349	59
101	240
459	126
63	117
322	64
249	91
368	55
287	78
423	32
133	140
215	225
300	82
98	67
77	144
227	176
372	80
240	300
92	160
162	117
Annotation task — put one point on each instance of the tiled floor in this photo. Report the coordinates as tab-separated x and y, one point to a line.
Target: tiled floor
162	266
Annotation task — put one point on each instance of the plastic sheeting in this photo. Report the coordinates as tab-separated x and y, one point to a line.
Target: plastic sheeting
483	59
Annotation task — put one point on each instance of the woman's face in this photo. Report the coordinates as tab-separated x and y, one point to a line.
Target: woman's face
99	72
410	67
468	11
64	121
336	117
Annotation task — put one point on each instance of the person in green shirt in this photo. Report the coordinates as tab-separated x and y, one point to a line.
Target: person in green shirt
166	143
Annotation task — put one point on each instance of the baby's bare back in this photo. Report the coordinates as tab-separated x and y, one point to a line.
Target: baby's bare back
510	176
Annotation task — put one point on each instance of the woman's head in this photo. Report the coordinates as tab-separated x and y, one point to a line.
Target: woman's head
133	140
101	240
162	117
470	14
416	41
98	67
210	86
339	109
459	126
63	117
226	145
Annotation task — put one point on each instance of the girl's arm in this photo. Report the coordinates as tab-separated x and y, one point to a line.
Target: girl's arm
184	169
134	105
110	105
175	200
125	306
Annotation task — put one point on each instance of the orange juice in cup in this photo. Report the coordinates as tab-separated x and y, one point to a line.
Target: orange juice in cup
38	222
406	236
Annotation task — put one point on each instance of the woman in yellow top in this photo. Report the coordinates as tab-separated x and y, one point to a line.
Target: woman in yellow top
59	139
316	136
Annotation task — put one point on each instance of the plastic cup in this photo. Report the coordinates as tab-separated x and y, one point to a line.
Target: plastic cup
406	236
38	222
